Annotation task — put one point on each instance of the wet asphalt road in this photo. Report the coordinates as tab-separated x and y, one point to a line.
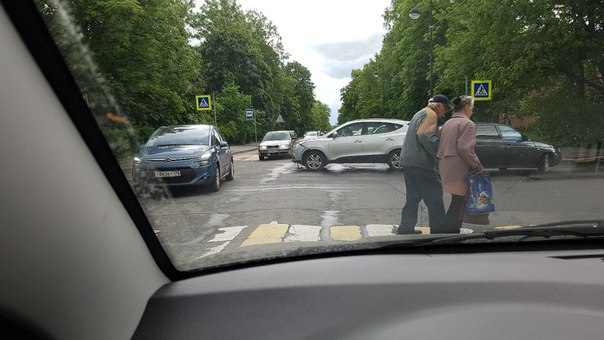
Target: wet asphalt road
279	191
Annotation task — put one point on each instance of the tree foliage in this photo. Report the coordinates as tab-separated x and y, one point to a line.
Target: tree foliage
147	59
545	59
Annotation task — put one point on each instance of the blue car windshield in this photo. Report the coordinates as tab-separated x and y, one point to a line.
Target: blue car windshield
180	136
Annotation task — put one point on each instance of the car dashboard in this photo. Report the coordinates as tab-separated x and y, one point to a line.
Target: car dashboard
525	295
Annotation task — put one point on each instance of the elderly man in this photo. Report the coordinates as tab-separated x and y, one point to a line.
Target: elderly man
420	166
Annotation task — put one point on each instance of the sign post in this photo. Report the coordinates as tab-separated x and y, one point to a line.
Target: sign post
203	102
214	109
249	115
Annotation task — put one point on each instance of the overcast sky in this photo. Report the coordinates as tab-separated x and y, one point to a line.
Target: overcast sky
329	37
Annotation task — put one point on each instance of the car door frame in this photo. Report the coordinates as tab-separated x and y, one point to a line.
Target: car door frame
338	152
521	153
491	149
377	146
223	155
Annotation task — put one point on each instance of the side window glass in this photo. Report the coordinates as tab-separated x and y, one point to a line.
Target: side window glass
219	135
377	128
510	135
215	139
487	132
351	130
357	129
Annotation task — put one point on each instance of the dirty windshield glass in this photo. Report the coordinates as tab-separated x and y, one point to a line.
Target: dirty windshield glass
502	104
179	136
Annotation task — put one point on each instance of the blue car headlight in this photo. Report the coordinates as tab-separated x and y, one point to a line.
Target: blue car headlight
203	160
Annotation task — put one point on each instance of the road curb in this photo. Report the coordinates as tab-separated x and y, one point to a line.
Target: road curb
243	150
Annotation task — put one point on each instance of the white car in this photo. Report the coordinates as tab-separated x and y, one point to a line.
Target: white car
358	141
311	135
276	143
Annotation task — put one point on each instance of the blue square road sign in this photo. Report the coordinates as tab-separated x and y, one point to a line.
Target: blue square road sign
203	102
481	89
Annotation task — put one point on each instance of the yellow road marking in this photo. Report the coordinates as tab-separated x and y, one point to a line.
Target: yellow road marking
266	233
507	227
345	233
424	230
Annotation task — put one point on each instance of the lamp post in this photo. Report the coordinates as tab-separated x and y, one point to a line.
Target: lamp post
414	13
376	74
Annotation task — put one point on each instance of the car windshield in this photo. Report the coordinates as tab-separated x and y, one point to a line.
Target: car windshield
501	102
180	136
276	136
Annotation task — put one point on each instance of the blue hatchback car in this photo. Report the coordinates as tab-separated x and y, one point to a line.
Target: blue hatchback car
184	155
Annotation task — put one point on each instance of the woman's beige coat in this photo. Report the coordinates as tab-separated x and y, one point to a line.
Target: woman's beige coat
456	156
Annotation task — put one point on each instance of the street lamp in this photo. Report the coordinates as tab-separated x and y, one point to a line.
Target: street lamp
414	13
377	74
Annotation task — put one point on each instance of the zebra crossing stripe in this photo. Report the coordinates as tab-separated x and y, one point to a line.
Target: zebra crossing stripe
214	250
228	234
424	230
266	233
374	230
345	233
507	227
303	233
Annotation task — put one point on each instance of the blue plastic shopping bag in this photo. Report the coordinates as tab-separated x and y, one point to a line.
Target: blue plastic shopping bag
480	194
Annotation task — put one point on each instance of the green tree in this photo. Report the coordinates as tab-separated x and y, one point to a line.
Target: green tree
545	58
320	113
230	112
245	49
232	52
299	97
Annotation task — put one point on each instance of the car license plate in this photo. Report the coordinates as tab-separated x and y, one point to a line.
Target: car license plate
273	150
161	174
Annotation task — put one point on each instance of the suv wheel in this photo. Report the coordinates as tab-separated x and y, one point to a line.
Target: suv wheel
394	159
314	160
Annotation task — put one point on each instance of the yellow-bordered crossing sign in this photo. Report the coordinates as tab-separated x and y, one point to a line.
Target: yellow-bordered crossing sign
481	89
203	102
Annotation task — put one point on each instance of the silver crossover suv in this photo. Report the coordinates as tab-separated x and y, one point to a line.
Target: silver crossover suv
358	141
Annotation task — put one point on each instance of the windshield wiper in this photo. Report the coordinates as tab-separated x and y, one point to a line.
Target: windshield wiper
578	228
179	144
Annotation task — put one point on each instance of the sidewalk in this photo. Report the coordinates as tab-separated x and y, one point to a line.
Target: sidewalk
581	155
235	149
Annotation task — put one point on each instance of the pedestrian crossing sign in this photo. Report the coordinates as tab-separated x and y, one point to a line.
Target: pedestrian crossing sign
203	102
481	89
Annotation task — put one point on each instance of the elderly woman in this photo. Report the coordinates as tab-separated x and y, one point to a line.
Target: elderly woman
457	158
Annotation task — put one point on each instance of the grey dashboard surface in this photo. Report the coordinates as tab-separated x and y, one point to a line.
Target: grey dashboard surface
524	295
